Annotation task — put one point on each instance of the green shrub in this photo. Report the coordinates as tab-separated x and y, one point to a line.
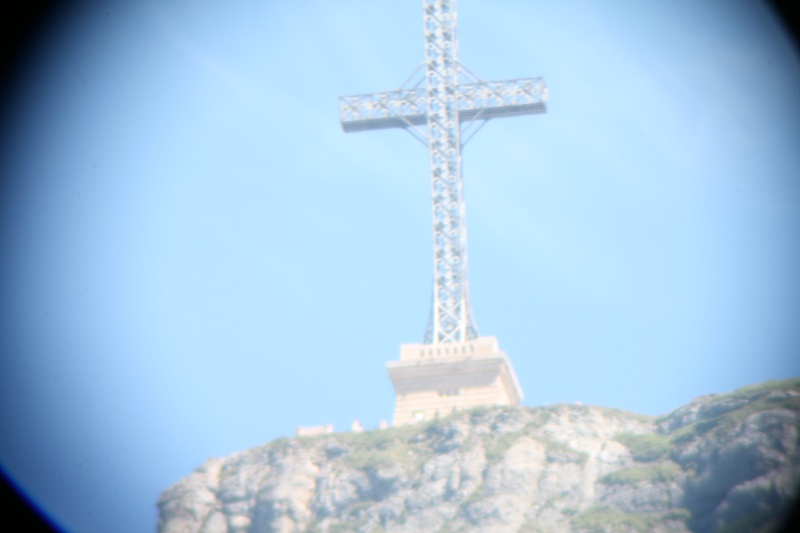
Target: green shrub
660	472
602	519
497	445
347	527
679	513
394	453
613	412
529	526
562	452
646	448
384	448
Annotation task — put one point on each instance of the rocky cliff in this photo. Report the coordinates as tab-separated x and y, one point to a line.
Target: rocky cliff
723	463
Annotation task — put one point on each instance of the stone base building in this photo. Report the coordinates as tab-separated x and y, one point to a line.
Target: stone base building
434	380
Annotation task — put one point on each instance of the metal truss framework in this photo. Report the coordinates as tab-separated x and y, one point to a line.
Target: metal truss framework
449	109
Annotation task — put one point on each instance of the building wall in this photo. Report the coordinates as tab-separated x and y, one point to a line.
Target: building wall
427	405
433	380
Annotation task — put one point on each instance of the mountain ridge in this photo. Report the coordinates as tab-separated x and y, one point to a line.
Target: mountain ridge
721	463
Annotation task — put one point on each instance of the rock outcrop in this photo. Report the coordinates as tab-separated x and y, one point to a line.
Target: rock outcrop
723	463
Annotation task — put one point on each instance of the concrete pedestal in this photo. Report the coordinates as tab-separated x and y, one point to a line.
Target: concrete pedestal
431	380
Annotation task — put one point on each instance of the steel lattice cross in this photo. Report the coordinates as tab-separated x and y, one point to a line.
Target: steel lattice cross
450	109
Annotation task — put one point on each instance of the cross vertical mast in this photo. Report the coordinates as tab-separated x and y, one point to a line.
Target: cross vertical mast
444	105
451	319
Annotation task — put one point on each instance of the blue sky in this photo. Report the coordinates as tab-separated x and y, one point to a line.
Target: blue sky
196	259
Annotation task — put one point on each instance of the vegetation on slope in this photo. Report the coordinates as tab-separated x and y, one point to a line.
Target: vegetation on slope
646	448
656	473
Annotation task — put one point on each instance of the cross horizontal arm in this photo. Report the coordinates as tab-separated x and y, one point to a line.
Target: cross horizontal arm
401	109
509	98
394	109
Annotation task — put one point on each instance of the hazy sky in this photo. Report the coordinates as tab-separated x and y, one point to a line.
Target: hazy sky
195	259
